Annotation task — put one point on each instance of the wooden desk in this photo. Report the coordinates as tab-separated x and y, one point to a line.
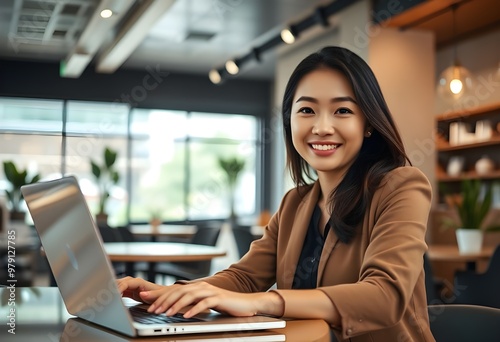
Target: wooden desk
41	316
153	252
450	253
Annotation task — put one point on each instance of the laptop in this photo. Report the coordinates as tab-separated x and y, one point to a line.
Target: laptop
84	275
78	330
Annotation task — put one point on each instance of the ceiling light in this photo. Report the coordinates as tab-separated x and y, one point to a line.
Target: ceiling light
106	13
232	67
214	76
288	35
454	81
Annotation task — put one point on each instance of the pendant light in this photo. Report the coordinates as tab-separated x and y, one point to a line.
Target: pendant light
455	81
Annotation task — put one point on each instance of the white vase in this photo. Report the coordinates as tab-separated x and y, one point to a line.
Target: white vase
484	165
469	240
455	166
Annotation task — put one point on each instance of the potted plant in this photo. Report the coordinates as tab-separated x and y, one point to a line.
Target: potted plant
106	176
17	178
472	209
232	167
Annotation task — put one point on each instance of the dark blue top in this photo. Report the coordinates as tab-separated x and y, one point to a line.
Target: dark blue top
306	273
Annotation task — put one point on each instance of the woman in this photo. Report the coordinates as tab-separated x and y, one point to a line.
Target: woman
347	248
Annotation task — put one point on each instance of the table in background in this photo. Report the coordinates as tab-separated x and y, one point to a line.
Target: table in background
450	253
177	231
41	317
154	252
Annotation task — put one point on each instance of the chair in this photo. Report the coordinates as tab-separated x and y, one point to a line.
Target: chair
109	234
431	286
480	288
196	269
243	237
464	323
131	268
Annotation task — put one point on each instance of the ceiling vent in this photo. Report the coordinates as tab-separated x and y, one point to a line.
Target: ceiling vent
70	9
200	36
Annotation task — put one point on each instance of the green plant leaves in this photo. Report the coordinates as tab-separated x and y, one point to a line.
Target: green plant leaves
109	157
232	167
105	175
17	178
473	209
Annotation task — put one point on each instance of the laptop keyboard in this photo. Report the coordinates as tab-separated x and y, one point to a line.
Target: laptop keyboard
140	315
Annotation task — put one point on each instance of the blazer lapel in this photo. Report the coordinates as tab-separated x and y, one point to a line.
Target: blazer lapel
298	234
330	243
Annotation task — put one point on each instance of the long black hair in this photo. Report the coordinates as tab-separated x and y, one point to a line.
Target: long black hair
380	153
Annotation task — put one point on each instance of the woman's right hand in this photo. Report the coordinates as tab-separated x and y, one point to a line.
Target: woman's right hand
132	288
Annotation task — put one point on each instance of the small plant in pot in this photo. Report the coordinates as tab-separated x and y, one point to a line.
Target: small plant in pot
232	168
17	178
106	176
472	209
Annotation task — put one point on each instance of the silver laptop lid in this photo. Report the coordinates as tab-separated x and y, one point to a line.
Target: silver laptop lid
75	253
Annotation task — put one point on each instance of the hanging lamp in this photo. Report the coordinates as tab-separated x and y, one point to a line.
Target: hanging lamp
455	81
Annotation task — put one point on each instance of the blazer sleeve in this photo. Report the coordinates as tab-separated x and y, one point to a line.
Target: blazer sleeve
392	262
256	271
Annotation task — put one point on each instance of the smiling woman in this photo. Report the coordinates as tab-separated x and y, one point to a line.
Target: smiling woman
347	244
327	131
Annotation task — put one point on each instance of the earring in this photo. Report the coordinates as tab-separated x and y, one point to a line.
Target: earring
368	134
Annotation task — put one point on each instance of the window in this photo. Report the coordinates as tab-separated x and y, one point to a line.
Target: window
220	136
157	162
91	127
167	160
175	168
30	136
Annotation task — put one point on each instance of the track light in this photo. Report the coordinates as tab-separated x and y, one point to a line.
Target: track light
232	67
106	13
215	76
288	35
320	17
256	54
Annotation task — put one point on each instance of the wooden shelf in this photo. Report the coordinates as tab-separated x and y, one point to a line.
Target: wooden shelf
444	146
443	177
476	111
471	152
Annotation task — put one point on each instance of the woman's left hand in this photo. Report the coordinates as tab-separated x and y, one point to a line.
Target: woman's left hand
203	296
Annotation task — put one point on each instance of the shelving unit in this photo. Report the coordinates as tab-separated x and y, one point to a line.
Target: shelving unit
470	151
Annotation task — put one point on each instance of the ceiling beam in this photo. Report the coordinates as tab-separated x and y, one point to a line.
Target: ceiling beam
92	38
131	34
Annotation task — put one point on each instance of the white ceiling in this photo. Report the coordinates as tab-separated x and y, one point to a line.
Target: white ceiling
180	35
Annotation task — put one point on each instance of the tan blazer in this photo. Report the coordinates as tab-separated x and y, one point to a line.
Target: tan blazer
376	282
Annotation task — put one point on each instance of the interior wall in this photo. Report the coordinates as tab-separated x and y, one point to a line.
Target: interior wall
481	55
345	30
403	62
150	87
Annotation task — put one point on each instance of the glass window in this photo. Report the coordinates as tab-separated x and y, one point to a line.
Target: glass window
91	127
175	168
30	115
158	165
79	152
38	154
99	119
209	195
168	161
239	127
